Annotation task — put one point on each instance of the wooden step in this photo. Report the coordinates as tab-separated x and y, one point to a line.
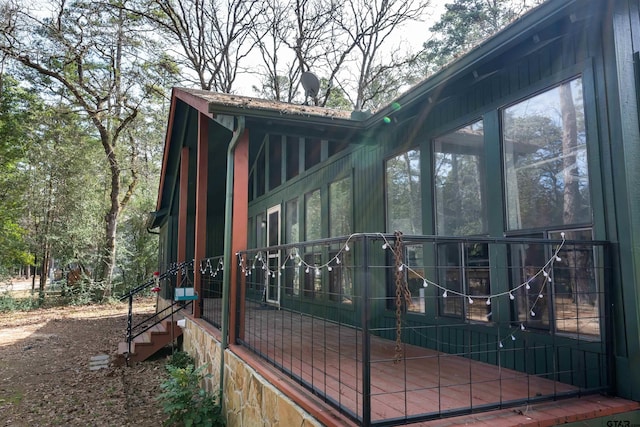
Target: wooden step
149	342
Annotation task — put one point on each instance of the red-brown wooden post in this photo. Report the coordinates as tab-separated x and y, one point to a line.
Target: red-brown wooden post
239	230
200	241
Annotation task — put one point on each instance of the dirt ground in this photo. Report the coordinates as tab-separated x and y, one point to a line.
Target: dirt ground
45	378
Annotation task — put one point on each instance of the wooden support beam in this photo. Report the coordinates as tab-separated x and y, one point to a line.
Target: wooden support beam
239	229
200	240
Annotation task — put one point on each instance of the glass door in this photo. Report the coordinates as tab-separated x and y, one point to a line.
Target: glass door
273	257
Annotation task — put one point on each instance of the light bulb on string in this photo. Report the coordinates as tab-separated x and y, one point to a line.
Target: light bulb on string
306	270
558	258
317	271
527	286
513	338
522	326
337	260
346	247
500	344
539	296
445	294
511	297
533	314
425	283
329	268
470	300
488	301
384	246
400	267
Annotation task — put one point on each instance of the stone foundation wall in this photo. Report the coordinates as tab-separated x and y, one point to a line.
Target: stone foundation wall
249	399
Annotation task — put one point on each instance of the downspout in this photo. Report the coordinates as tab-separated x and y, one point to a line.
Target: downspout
227	255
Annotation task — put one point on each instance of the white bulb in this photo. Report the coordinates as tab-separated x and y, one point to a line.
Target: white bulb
540	296
346	248
488	301
513	338
558	259
527	286
522	326
470	300
500	345
317	271
329	268
306	270
401	267
562	234
337	260
533	314
511	297
384	246
424	284
444	295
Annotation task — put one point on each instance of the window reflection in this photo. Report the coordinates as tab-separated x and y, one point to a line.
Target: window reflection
459	181
545	156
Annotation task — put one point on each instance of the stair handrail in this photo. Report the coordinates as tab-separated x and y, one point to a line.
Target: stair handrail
172	271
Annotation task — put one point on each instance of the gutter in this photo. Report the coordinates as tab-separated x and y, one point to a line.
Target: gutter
228	218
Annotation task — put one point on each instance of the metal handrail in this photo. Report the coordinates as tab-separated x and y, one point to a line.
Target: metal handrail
172	271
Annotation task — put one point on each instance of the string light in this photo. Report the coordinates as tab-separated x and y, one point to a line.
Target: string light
299	261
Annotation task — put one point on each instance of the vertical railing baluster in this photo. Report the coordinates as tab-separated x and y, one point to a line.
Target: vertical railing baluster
366	344
129	327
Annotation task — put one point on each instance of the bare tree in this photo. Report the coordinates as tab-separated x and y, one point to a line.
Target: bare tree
368	26
207	37
88	54
297	35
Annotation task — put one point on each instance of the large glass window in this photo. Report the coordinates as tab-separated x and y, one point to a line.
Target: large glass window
275	161
545	160
562	296
312	215
312	152
292	235
313	257
293	156
404	196
465	270
340	218
459	180
340	212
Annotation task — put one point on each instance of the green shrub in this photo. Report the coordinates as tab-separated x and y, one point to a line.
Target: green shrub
180	359
186	403
10	303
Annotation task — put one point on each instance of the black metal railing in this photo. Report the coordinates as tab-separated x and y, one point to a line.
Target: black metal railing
211	276
183	270
393	329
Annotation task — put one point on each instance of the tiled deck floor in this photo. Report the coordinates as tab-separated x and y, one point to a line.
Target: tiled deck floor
327	357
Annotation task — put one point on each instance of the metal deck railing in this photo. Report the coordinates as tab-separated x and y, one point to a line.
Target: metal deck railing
392	329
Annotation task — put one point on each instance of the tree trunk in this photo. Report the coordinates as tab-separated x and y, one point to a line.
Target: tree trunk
577	262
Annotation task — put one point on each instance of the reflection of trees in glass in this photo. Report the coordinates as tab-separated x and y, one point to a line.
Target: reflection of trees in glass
459	181
547	179
404	198
340	208
312	215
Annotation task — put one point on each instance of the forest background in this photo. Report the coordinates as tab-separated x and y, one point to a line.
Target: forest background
84	98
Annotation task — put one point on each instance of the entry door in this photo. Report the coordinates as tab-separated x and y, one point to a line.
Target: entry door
273	257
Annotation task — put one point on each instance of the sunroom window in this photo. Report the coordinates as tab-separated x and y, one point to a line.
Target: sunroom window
545	160
459	179
404	213
547	193
340	220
